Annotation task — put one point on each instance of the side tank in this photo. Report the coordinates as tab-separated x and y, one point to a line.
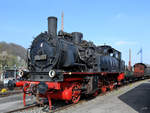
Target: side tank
109	64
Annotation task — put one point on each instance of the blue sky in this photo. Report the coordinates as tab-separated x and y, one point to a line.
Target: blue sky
123	24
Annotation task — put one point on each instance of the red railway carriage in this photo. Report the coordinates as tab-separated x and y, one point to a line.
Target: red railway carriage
139	69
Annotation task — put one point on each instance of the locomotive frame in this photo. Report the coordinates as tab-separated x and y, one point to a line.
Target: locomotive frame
74	84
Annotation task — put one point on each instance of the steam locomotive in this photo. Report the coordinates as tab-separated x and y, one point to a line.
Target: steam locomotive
64	66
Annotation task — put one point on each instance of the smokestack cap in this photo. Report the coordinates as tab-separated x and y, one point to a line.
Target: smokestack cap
52	25
52	17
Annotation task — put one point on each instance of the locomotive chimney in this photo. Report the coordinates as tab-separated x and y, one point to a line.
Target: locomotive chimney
52	26
130	68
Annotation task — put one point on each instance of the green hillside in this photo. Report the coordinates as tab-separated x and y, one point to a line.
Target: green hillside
12	55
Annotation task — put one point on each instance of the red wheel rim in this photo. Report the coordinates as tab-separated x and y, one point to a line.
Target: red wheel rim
103	89
76	94
111	87
96	93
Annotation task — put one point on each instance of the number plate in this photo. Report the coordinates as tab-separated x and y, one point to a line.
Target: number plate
40	57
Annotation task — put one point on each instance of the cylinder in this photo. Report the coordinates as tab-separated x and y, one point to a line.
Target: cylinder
77	37
52	26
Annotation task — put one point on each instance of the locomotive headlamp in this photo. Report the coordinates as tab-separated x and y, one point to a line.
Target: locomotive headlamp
21	73
52	73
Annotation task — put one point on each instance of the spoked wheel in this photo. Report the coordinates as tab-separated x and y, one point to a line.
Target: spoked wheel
76	94
111	87
103	89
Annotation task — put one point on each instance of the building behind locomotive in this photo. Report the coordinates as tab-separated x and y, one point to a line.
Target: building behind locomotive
9	73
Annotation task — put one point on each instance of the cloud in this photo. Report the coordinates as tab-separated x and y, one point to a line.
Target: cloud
119	43
120	15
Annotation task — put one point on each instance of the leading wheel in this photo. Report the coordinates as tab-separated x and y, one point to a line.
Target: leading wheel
76	94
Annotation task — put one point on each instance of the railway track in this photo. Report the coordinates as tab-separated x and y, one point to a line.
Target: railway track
23	108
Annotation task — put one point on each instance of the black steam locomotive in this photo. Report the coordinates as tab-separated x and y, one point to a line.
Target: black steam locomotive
51	53
64	66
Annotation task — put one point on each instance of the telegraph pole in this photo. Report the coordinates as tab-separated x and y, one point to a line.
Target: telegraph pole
129	60
62	21
141	55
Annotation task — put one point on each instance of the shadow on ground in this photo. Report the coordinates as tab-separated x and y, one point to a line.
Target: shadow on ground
138	98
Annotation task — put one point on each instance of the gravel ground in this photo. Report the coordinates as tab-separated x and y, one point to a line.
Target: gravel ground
133	98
